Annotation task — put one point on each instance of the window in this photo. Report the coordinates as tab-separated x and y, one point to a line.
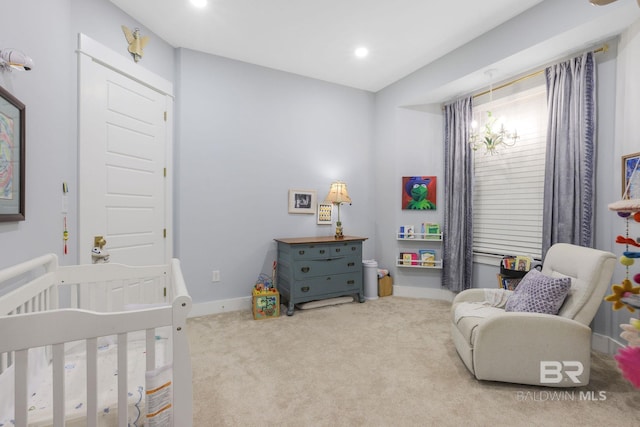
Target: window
509	185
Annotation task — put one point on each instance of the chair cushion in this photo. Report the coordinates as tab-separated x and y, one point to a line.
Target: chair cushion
537	293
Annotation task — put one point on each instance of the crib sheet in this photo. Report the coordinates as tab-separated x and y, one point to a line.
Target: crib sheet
40	399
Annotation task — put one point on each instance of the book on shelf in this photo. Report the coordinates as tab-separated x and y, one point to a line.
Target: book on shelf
407	232
517	263
522	263
427	257
409	258
508	283
430	230
410	232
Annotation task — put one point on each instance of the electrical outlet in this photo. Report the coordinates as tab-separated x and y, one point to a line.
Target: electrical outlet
215	277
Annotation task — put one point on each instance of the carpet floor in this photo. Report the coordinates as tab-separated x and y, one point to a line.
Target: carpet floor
386	362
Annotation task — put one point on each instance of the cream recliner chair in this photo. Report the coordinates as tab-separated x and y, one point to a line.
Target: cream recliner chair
535	348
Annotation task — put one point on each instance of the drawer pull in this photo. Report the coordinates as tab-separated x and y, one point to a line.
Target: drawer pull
305	269
305	289
351	282
353	248
301	252
337	249
351	264
322	251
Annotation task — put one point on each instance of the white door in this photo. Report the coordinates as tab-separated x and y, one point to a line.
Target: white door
124	190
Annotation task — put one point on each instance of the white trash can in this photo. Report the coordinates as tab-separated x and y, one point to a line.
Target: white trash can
370	273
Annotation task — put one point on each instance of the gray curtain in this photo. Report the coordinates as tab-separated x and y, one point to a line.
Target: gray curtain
568	214
457	247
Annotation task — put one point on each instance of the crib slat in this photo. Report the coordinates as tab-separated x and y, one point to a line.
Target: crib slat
21	366
151	349
123	371
58	385
92	382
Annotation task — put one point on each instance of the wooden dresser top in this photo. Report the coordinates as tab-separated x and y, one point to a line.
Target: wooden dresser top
318	239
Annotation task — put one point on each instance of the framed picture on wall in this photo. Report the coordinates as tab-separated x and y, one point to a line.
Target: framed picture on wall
302	201
324	213
12	140
419	192
631	176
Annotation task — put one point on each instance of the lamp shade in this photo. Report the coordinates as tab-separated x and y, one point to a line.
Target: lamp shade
338	193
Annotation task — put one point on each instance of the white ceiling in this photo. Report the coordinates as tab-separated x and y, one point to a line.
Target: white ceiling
317	38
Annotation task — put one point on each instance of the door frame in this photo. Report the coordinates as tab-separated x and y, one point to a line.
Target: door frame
91	50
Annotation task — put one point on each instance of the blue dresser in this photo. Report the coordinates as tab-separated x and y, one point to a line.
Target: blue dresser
315	268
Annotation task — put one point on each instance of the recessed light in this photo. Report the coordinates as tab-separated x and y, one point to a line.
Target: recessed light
361	52
199	3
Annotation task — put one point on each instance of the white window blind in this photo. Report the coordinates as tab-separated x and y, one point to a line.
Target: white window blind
508	186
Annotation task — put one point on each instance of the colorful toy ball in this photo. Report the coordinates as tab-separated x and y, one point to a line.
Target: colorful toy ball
626	261
624	214
636	278
636	216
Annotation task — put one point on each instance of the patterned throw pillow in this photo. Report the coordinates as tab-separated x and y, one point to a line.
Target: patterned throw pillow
537	293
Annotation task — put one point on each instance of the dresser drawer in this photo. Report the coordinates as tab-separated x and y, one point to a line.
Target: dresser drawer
321	286
323	251
311	251
347	249
322	267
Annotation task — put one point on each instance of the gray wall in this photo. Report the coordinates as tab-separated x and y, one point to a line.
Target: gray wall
248	134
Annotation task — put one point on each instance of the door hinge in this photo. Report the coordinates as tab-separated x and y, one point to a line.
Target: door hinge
164	233
165	116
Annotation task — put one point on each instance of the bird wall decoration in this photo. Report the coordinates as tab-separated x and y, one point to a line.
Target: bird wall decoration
136	42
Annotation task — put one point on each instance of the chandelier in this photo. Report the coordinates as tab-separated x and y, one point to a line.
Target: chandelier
491	139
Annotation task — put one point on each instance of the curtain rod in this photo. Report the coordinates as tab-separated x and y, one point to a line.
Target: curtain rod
603	48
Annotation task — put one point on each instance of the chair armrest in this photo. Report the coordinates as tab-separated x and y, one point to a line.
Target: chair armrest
527	327
509	347
475	295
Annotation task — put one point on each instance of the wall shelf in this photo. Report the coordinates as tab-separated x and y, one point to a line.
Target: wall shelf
436	264
422	238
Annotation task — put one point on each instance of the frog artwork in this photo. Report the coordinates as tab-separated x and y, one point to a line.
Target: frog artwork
419	193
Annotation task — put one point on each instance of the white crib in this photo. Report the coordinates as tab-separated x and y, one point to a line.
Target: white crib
48	309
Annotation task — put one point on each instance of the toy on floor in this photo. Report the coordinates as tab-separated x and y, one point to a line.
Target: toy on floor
266	299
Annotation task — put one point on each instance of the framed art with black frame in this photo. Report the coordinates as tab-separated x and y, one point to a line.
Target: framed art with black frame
12	157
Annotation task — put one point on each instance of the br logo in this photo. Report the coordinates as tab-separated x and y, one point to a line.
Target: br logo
552	372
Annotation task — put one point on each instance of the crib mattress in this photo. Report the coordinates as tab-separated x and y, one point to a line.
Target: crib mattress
40	398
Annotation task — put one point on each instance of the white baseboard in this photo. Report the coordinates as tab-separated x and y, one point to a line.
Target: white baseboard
415	292
220	306
244	303
604	344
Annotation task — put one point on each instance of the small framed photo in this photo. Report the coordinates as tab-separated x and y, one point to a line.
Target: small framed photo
302	201
12	161
324	213
631	176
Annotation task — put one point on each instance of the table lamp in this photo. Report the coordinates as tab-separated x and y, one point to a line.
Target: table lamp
338	195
